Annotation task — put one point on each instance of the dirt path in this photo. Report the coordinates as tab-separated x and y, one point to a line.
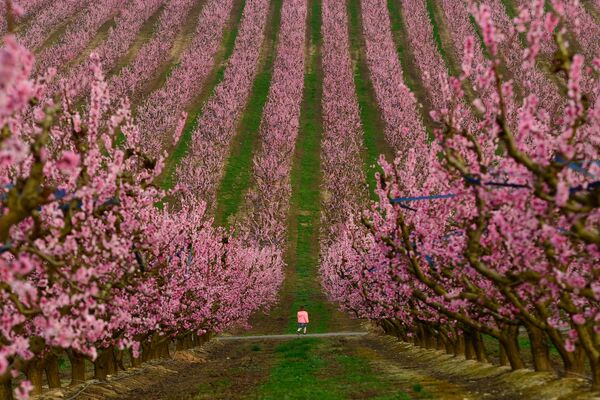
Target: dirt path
293	336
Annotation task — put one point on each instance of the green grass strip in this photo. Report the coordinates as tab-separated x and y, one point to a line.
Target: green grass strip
512	11
477	30
305	204
373	126
182	147
321	369
238	168
294	377
437	37
146	32
411	72
404	54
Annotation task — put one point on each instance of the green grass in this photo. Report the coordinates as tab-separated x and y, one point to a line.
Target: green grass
238	168
316	369
182	147
373	126
437	37
477	30
306	196
231	36
404	55
145	34
411	72
294	376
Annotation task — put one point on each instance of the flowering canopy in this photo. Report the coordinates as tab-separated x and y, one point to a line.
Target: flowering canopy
495	223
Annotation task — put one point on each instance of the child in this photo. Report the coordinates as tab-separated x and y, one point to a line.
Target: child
302	320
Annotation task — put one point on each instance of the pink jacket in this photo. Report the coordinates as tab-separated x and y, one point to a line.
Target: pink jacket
302	317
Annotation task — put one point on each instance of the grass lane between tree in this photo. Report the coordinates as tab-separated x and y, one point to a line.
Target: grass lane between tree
325	369
305	204
372	123
168	178
238	167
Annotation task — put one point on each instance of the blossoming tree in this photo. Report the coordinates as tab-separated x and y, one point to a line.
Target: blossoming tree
494	225
92	259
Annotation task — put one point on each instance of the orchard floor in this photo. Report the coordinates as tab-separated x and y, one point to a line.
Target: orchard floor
360	367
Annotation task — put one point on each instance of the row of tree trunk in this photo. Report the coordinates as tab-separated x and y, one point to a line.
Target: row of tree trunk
469	344
109	362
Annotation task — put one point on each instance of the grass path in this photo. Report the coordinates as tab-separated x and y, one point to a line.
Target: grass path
99	38
238	167
58	31
302	286
180	44
372	123
442	37
325	370
146	33
367	367
167	180
302	248
302	255
412	74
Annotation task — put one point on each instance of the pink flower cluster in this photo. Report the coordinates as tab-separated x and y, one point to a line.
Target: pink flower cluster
79	35
500	232
397	104
48	19
159	113
127	26
341	162
16	64
269	199
203	166
147	60
429	61
87	261
21	11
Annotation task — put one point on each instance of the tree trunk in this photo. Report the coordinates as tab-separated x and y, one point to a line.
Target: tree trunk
162	349
119	360
6	392
509	340
459	346
502	354
136	362
449	346
111	362
147	351
180	344
418	336
77	368
576	364
469	346
480	351
101	365
540	351
595	364
440	342
429	338
35	374
572	362
53	372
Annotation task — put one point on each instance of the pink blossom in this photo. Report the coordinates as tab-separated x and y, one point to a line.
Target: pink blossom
69	161
578	319
22	392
